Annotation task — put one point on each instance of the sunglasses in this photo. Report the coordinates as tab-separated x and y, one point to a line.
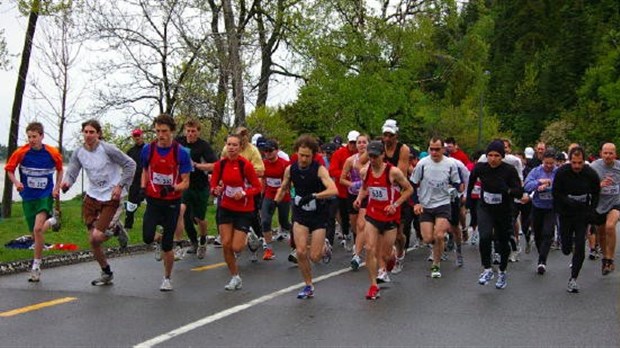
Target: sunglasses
435	149
389	135
269	150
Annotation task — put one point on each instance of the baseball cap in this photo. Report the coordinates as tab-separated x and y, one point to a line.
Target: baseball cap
136	132
267	144
352	136
329	147
375	148
261	142
389	127
529	152
337	140
255	139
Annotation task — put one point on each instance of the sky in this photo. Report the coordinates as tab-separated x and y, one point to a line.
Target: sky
14	26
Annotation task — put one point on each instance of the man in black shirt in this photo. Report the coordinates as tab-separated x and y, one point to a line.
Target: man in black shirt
134	199
195	199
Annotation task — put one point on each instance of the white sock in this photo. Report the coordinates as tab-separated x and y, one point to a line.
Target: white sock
36	264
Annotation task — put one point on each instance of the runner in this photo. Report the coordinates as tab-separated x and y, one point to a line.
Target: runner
274	172
436	177
313	186
385	189
500	184
575	196
235	182
109	173
37	188
540	182
196	197
608	208
133	199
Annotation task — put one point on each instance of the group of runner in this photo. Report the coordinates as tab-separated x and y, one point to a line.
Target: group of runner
374	190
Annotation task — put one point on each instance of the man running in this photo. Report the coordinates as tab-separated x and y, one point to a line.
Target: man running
37	163
313	186
386	189
109	172
608	208
134	199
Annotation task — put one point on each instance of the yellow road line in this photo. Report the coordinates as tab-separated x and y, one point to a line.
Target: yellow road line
37	306
208	267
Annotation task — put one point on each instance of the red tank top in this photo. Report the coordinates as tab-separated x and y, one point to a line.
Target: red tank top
163	171
381	193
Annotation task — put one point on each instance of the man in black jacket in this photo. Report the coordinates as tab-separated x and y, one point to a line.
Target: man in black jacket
134	199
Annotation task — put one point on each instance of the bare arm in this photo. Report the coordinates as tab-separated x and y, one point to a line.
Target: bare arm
330	185
286	185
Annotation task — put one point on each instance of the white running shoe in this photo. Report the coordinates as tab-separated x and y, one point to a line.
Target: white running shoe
383	276
235	283
166	285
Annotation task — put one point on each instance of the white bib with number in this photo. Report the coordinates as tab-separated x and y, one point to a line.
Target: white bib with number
545	195
379	194
611	190
163	179
310	206
230	191
273	182
579	198
492	198
37	182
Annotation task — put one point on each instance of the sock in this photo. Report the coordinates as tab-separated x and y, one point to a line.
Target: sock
203	239
106	269
36	264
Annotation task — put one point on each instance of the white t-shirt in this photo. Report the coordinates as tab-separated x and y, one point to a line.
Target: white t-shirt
435	181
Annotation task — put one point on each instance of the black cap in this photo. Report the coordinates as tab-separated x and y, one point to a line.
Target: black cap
270	145
329	147
497	146
260	142
375	148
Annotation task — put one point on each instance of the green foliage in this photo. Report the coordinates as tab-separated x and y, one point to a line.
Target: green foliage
558	134
271	124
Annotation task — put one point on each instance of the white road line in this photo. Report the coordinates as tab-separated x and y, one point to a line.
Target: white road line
228	312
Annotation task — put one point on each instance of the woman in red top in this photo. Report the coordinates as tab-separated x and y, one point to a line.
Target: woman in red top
235	182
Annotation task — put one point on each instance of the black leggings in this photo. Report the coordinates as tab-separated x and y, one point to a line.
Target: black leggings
164	214
494	223
406	218
332	208
343	208
573	230
543	223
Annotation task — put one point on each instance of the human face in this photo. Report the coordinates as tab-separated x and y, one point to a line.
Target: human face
375	160
451	148
164	135
305	156
608	153
507	147
577	163
548	164
389	138
540	149
91	137
233	146
191	134
494	159
361	144
270	154
35	140
436	149
138	139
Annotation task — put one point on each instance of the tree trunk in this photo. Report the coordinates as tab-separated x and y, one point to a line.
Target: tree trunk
234	63
7	195
223	74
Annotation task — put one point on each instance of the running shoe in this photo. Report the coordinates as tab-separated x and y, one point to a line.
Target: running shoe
193	249
398	264
268	254
415	243
514	256
486	276
35	275
292	257
497	259
179	253
355	262
121	233
104	279
373	293
473	240
501	281
572	286
54	222
444	256
435	271
430	257
201	250
459	259
541	269
217	242
383	277
235	283
157	248
253	241
327	252
605	270
166	285
306	292
593	255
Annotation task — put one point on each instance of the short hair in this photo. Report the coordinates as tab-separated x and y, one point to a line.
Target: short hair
166	120
435	139
506	140
193	124
549	154
35	127
577	150
93	123
306	140
451	140
234	136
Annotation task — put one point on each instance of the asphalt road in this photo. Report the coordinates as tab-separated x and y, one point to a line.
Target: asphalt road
414	309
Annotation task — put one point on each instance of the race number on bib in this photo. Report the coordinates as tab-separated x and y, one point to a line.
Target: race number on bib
273	182
163	179
230	191
37	182
311	206
492	198
610	190
579	198
378	193
545	195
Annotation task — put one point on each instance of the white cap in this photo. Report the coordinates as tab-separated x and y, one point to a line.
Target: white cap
255	138
352	136
389	127
529	152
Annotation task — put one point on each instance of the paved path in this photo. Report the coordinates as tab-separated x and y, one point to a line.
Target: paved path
414	310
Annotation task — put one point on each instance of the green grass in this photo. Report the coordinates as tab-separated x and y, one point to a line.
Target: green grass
73	230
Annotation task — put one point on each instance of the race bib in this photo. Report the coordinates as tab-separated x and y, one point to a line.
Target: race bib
492	198
163	179
545	195
610	190
579	198
37	182
311	206
273	182
230	191
475	192
436	184
379	194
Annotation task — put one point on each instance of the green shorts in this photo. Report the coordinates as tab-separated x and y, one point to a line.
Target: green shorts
36	206
196	200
